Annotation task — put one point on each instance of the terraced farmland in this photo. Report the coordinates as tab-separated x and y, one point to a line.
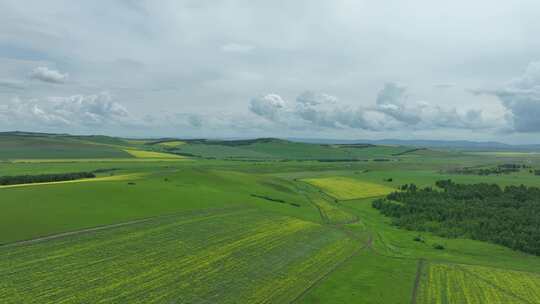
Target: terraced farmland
344	188
471	284
225	256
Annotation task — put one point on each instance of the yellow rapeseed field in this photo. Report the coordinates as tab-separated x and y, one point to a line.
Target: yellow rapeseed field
172	144
151	154
344	188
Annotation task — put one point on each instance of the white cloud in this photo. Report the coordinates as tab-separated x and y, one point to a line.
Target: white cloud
47	75
77	110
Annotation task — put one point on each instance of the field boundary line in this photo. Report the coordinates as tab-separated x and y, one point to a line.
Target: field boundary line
364	246
106	227
416	286
328	198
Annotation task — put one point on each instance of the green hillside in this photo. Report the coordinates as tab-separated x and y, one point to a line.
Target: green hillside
43	146
271	148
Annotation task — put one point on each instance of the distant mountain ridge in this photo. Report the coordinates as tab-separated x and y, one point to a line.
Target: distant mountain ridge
463	145
447	144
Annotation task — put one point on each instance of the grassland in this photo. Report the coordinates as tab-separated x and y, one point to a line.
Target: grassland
238	256
285	227
331	213
51	147
161	190
122	177
276	149
344	188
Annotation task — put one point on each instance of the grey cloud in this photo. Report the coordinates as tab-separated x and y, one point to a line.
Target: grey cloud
392	101
268	106
195	121
203	57
324	111
392	111
521	98
315	98
47	75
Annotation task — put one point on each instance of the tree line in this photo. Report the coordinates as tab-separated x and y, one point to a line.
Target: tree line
508	216
500	169
44	178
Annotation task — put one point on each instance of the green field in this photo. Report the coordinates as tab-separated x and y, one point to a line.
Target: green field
227	256
52	147
264	221
470	284
281	149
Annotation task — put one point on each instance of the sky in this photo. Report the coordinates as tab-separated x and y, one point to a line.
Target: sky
305	69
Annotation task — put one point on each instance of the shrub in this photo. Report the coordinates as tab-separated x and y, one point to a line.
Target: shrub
419	238
438	246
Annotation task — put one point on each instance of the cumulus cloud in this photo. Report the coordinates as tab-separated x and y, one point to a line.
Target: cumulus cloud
521	98
76	110
315	98
392	101
268	106
392	111
324	111
47	75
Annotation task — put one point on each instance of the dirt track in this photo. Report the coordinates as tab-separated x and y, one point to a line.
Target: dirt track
417	280
64	234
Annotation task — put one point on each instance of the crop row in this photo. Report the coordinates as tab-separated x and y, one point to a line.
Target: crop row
467	284
241	256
